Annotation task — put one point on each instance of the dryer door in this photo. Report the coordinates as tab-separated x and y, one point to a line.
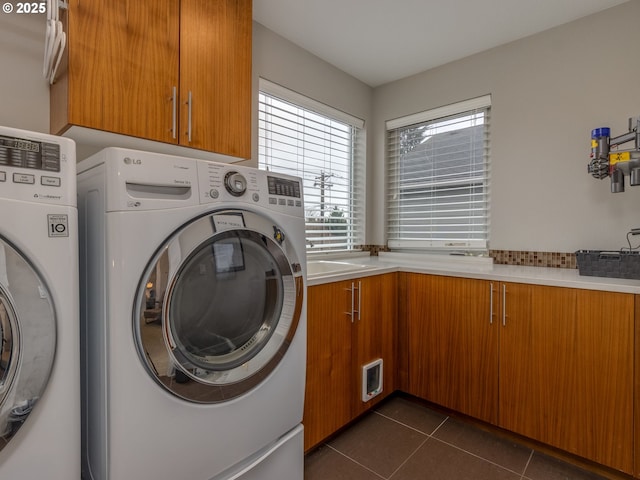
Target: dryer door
27	336
218	306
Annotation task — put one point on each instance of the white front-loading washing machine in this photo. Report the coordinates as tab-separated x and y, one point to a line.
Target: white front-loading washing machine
39	327
193	319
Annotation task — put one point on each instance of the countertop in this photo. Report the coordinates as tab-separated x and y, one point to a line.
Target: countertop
471	267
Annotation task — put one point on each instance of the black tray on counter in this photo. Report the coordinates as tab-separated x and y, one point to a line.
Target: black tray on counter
612	264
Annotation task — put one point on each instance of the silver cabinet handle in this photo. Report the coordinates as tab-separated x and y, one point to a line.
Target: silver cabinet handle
491	303
359	299
174	113
504	305
352	290
190	105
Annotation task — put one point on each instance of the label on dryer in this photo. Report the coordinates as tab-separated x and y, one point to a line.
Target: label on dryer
58	225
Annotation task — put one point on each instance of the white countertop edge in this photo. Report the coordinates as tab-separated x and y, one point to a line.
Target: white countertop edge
554	277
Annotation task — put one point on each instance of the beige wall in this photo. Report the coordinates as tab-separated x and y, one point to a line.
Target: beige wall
280	61
286	64
548	92
24	93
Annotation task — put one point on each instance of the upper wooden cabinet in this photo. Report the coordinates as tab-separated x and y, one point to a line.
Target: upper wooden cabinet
215	75
171	71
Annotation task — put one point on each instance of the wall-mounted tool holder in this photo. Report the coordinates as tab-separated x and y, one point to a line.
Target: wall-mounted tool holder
608	161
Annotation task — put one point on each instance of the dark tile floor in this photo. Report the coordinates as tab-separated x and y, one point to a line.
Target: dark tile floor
404	440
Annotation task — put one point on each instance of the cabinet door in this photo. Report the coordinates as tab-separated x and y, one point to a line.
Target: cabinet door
637	388
329	384
215	76
453	344
566	370
374	334
122	65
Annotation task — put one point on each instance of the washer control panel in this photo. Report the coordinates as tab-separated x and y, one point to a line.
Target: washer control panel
25	153
223	182
36	167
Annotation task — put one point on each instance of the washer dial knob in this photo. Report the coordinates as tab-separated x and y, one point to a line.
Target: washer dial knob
235	183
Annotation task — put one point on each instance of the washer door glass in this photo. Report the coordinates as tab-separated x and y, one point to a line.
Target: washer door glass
218	306
28	339
8	334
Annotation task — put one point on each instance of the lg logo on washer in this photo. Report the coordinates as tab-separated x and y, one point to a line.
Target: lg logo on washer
132	161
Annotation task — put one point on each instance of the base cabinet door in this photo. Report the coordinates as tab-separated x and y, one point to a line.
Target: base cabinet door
329	377
566	370
636	419
452	335
553	364
349	324
375	335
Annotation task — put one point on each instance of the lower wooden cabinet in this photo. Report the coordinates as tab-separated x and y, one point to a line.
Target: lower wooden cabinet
566	370
637	389
327	403
452	343
349	324
553	364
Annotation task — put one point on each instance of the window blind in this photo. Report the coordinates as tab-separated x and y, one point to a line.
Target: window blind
325	148
438	179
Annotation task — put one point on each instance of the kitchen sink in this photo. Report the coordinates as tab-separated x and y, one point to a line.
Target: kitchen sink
316	268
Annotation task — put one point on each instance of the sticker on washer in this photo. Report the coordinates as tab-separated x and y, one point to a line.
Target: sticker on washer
58	225
228	221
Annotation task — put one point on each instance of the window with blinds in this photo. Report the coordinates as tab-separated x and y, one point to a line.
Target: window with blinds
438	178
324	147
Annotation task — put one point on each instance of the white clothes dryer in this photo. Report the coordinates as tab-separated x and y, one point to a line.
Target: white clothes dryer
193	319
39	327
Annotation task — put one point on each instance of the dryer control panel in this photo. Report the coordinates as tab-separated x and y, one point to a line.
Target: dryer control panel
221	182
152	181
37	167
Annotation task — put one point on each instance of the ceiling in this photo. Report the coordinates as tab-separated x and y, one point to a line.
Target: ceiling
379	41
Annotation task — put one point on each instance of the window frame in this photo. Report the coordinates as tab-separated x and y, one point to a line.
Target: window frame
476	237
320	240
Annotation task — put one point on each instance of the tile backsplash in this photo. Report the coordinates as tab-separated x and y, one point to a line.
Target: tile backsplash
374	249
534	259
512	257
